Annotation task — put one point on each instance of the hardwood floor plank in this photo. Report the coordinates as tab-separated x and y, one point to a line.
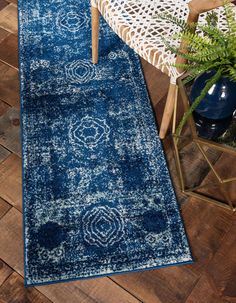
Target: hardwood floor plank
5	272
205	293
3	34
4	207
226	168
8	18
4	153
222	269
181	198
3	108
166	285
88	291
11	242
10	181
206	225
12	1
156	81
10	131
9	50
9	85
3	3
13	291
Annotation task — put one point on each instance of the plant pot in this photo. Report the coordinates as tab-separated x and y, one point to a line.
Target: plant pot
215	112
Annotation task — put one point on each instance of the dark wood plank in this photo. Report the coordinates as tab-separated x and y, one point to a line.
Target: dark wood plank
13	291
3	108
9	85
8	18
10	131
4	153
222	269
5	272
11	241
3	34
205	293
194	166
167	285
3	3
89	291
12	1
181	198
9	50
10	181
156	81
4	207
226	168
206	225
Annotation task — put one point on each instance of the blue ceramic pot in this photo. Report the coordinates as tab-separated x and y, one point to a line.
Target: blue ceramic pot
214	113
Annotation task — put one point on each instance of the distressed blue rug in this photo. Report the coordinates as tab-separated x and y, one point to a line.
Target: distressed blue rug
98	198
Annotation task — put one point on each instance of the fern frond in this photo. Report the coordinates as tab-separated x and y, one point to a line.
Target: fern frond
174	20
230	18
213	33
232	73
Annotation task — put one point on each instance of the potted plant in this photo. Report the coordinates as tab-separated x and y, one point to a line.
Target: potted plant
211	55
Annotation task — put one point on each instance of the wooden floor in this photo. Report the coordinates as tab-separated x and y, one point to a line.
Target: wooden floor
211	230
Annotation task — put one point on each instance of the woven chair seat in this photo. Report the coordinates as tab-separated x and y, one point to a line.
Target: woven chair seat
136	23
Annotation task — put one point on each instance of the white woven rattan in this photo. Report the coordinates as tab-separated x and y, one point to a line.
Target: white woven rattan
134	21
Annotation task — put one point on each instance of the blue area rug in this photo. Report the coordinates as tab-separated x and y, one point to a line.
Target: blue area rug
98	198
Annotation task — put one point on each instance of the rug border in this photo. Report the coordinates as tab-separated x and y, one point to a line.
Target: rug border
107	275
22	139
141	72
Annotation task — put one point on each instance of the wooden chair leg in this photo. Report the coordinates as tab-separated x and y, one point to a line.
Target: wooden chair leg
169	108
95	33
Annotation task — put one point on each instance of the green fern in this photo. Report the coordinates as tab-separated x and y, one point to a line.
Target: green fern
209	48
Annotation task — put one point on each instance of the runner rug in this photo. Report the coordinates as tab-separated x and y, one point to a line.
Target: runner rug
98	198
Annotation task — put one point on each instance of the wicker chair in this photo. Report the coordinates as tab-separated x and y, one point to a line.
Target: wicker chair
134	22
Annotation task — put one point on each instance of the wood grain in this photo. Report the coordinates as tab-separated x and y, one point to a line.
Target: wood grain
3	34
11	242
3	108
12	1
9	50
10	181
4	207
3	3
206	226
204	293
8	18
4	153
221	271
13	291
226	168
10	131
165	285
88	291
9	84
156	81
5	272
